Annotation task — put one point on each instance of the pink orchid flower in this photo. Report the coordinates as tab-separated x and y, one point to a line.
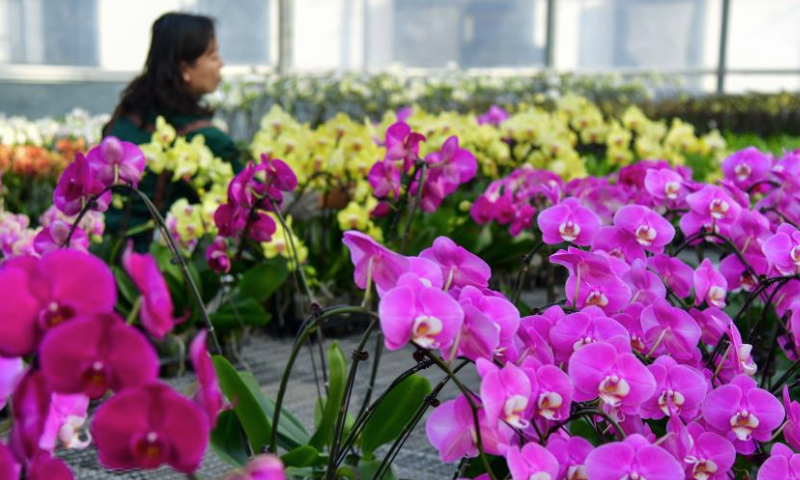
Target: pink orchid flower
576	330
705	455
54	236
791	432
618	243
780	467
115	161
31	402
77	186
414	311
505	393
664	184
551	391
571	453
619	379
646	286
384	178
262	467
709	285
568	221
92	354
403	144
490	325
157	308
460	268
591	281
66	421
680	389
783	249
217	256
532	462
743	413
374	262
451	430
668	329
652	231
713	323
209	395
39	294
711	210
148	426
746	167
634	458
451	165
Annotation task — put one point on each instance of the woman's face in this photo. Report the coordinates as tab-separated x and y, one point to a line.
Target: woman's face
203	76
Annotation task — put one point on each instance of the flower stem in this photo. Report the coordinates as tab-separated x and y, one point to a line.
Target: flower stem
299	268
310	325
417	200
177	255
523	272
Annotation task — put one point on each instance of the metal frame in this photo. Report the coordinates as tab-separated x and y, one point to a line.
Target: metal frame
64	74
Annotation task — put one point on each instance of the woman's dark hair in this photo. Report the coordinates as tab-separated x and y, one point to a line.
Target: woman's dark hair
177	37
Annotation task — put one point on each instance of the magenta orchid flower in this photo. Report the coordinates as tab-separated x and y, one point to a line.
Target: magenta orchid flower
710	210
551	391
494	116
713	323
783	249
633	458
791	431
738	359
209	395
157	308
576	330
97	353
31	402
571	455
705	455
742	413
739	276
77	186
533	461
148	426
785	466
217	256
9	468
460	268
403	144
568	221
54	237
652	231
490	325
664	184
668	329
373	262
262	467
10	372
746	167
384	177
505	393
619	379
591	281
646	286
619	244
451	430
451	165
39	294
46	467
414	311
680	389
115	161
709	285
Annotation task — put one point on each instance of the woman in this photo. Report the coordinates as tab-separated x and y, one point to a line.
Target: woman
183	64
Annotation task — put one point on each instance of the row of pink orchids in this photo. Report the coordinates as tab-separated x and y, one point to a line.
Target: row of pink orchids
642	350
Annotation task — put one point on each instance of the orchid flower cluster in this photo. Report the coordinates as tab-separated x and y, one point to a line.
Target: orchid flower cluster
438	175
254	194
642	349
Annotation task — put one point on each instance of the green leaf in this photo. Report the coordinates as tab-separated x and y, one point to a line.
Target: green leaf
368	468
261	281
240	310
304	456
291	433
248	410
227	441
337	371
126	287
394	412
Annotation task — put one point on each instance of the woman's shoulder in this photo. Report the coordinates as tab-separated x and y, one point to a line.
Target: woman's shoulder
126	129
218	141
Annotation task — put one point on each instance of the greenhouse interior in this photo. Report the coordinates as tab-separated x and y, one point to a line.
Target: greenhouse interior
400	239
